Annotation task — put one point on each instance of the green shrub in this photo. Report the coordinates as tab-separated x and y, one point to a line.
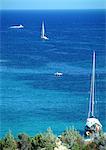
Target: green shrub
45	140
49	139
100	141
8	143
37	142
97	143
24	142
72	139
1	144
90	146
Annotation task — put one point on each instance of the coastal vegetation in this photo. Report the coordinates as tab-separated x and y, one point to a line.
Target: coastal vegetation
70	139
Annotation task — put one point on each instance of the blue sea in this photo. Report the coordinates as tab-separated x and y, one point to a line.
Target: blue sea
32	98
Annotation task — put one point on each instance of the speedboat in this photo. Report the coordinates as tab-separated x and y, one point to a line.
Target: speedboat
17	26
58	74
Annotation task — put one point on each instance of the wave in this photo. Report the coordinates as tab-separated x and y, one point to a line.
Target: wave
3	60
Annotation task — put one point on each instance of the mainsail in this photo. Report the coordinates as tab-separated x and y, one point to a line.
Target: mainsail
43	32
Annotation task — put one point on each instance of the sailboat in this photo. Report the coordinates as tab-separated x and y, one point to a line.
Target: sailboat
43	32
93	125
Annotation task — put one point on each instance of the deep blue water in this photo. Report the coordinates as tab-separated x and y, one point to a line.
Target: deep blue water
32	98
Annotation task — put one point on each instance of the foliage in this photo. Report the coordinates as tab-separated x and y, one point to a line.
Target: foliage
100	141
1	144
90	146
37	142
24	142
47	141
8	143
72	139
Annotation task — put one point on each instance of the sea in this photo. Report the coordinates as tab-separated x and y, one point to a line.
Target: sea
32	98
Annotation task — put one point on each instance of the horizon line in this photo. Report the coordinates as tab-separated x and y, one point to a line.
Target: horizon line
56	9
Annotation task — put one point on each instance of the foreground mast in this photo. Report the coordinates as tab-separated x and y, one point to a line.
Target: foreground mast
92	125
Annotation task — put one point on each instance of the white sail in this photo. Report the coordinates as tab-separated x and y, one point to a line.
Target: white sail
43	32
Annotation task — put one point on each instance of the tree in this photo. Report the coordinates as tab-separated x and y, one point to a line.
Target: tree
1	144
24	142
49	139
37	142
8	143
100	141
72	139
45	141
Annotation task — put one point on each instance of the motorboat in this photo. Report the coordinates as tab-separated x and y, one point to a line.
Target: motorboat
58	74
17	26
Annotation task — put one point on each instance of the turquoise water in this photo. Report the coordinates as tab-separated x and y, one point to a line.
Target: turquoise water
32	98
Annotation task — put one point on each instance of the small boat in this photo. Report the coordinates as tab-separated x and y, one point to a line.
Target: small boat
93	125
58	74
17	26
43	32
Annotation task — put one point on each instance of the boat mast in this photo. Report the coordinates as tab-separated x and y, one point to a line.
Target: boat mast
93	84
90	102
92	92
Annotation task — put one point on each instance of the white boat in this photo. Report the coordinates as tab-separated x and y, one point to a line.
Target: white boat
43	32
93	125
58	74
17	26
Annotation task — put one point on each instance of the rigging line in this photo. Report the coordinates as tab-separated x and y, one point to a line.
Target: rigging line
90	102
93	84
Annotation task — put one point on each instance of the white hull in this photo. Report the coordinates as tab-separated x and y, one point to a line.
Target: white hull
92	121
58	74
17	27
44	37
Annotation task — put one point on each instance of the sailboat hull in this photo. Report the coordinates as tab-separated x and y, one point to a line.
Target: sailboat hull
44	37
93	125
